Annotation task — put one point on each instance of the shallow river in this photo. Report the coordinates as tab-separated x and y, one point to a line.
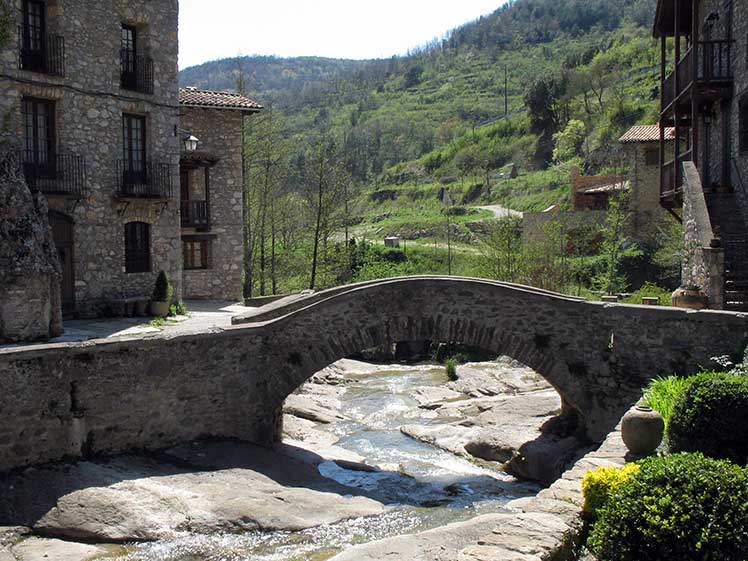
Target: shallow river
425	486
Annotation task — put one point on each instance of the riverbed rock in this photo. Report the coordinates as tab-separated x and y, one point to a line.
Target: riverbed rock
432	398
545	458
517	537
312	408
41	549
439	544
201	488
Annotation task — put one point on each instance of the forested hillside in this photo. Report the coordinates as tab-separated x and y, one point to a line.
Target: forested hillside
400	109
357	149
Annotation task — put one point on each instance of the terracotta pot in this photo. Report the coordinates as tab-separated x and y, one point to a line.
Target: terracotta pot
691	298
642	429
159	309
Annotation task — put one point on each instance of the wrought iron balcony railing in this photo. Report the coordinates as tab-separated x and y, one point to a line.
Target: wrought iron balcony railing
45	54
152	180
55	174
195	214
137	72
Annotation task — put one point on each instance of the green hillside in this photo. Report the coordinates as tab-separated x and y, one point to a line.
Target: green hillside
541	84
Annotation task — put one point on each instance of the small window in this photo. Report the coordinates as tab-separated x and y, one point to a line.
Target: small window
743	124
196	254
137	247
652	157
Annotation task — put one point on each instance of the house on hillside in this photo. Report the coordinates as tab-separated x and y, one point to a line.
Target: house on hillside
704	170
641	145
139	176
591	194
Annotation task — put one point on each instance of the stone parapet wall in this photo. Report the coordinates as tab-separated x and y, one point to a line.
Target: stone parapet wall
105	397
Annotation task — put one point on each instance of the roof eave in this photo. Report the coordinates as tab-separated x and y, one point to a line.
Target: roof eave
222	107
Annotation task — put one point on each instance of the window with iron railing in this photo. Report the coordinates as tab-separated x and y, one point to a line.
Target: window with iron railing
38	50
136	70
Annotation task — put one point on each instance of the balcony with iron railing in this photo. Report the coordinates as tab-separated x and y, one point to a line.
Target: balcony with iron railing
136	72
61	175
195	214
713	68
44	54
151	180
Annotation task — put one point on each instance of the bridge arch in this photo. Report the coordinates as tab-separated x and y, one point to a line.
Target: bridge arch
110	396
590	353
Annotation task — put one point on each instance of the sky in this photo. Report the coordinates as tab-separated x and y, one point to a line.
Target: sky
212	29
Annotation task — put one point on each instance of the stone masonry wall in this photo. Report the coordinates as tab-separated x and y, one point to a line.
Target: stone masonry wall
220	133
89	108
110	396
703	265
647	216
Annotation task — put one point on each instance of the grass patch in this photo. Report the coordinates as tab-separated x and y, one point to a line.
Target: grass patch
662	392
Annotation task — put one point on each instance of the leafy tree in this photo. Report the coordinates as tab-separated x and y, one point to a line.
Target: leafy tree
569	141
614	246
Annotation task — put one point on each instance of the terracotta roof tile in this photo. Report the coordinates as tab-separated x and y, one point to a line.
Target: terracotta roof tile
218	100
646	133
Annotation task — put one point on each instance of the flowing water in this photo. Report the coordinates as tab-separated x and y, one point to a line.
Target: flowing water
424	486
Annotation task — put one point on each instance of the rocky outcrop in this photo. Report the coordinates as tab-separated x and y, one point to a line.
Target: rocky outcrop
29	269
199	488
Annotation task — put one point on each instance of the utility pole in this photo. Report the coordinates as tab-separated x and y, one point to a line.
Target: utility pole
506	92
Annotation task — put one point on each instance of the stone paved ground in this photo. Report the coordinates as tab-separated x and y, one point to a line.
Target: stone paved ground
203	315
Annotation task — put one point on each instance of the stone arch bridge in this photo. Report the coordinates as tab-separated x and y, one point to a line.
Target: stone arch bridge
113	395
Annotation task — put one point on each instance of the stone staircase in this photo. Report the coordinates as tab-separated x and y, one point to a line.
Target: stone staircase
729	224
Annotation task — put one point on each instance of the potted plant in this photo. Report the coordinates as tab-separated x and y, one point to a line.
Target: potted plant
162	293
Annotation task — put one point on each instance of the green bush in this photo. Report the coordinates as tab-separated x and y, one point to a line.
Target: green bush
178	309
711	417
662	393
677	508
599	484
163	291
451	368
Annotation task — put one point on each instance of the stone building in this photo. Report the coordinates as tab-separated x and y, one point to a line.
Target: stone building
704	172
642	150
90	93
211	195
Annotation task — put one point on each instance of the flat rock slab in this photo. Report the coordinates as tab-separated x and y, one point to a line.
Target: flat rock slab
215	487
521	537
439	544
41	549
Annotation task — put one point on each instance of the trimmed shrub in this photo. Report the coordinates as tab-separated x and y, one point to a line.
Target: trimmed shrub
662	393
711	417
163	291
599	484
680	507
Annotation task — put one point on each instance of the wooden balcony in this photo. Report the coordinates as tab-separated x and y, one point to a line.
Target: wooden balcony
671	181
713	76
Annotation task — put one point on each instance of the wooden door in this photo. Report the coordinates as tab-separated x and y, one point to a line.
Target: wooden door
62	233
